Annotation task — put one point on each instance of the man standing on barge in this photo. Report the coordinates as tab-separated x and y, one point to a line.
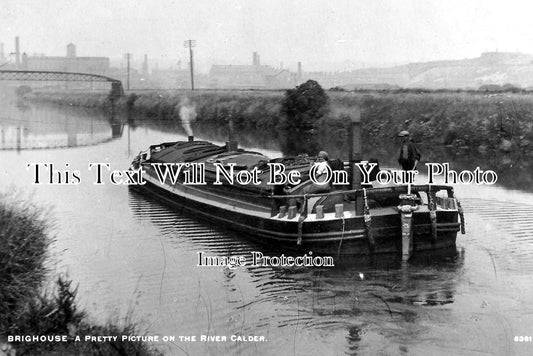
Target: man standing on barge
409	154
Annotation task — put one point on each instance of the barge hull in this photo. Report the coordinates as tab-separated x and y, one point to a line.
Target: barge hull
346	236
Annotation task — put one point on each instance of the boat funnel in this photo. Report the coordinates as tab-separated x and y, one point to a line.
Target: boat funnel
190	138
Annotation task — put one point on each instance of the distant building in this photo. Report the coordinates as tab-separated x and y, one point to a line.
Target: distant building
70	63
255	76
172	78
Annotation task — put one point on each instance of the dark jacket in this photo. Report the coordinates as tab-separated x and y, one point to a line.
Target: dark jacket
409	153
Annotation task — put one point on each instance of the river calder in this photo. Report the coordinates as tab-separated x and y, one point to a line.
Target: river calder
125	248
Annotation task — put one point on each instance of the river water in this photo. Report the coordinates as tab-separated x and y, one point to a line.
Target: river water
135	258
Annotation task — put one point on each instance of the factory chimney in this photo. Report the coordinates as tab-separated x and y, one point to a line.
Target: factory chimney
300	73
71	50
2	52
17	52
256	60
145	66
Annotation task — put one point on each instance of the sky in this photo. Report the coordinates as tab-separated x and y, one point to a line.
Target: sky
320	34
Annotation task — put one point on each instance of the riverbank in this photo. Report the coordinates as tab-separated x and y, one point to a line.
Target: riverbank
28	309
468	121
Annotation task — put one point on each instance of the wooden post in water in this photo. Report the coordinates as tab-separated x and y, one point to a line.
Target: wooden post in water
355	151
231	144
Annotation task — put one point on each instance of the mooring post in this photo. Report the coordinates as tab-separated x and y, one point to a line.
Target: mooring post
231	144
406	208
355	149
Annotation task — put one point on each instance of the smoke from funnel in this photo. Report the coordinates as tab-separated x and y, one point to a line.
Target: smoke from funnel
187	112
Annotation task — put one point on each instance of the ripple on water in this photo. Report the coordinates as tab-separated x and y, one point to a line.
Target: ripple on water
505	231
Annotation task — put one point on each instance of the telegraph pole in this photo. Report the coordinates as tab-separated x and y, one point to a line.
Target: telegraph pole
190	44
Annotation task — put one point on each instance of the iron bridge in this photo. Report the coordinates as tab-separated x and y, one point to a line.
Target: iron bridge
34	75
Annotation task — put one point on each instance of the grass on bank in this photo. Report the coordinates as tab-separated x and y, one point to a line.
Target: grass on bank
27	309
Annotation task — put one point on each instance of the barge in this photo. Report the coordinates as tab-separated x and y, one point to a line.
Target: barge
347	219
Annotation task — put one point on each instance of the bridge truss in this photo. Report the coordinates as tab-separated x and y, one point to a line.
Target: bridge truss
34	75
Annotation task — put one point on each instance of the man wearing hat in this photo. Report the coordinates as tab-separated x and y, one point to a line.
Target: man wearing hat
409	154
321	172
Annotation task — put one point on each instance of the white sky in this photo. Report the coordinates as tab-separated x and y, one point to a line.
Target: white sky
315	32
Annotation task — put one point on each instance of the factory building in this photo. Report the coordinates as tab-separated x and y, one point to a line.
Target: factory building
254	76
70	63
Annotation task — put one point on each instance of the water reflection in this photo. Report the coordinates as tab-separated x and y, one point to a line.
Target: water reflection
356	296
293	142
24	127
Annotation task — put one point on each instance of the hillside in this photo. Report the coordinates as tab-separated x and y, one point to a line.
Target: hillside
491	68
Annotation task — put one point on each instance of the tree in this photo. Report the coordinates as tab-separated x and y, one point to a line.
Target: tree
304	105
302	108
